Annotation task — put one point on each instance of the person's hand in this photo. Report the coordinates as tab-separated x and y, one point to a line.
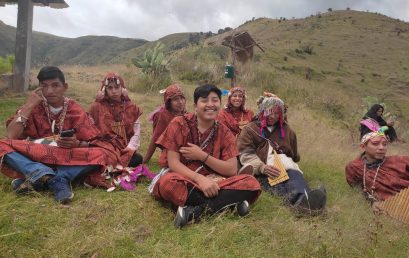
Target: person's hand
35	97
127	150
271	171
209	187
68	142
193	152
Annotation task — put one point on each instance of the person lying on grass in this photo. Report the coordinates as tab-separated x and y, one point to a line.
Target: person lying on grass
69	145
200	163
269	132
379	176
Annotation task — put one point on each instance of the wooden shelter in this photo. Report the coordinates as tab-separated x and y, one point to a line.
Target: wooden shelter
241	45
21	69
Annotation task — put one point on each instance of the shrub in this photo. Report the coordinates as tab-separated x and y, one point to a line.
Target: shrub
153	63
6	64
154	67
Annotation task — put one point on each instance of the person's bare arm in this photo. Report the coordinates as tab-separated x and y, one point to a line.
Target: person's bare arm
150	151
223	167
206	185
15	129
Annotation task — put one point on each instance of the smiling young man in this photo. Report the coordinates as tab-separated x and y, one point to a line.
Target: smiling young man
45	115
201	156
379	176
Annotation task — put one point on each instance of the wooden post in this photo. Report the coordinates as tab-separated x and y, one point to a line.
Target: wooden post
233	79
22	61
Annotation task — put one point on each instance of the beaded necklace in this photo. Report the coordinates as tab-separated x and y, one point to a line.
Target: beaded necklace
210	137
370	193
60	117
118	126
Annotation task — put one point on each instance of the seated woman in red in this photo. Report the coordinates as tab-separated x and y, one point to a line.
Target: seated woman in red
174	105
199	162
117	117
235	115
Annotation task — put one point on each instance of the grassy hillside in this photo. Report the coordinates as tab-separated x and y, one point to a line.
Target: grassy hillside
347	65
350	55
172	43
49	49
122	224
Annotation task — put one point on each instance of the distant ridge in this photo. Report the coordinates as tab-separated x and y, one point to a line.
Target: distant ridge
50	49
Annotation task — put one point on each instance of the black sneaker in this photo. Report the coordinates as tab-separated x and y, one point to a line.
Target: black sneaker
186	214
243	208
61	188
312	203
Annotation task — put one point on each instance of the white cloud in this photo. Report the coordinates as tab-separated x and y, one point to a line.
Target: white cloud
154	19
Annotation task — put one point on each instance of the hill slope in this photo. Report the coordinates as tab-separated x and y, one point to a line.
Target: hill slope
348	54
55	50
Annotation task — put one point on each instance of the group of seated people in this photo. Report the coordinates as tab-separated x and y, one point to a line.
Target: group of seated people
214	159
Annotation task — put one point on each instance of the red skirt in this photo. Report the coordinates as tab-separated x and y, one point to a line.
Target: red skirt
172	186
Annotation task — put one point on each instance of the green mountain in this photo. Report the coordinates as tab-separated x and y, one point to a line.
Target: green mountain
49	49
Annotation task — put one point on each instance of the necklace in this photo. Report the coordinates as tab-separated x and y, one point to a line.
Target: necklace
60	117
206	142
370	194
118	126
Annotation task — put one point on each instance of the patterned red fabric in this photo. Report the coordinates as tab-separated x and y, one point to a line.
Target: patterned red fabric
38	126
104	113
161	120
183	129
172	91
393	176
173	186
232	118
101	95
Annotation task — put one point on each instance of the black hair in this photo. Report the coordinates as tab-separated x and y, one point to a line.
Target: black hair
204	90
50	72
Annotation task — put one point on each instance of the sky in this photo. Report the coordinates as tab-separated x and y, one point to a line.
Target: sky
153	19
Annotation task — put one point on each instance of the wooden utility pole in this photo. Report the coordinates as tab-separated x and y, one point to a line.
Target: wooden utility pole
22	61
21	69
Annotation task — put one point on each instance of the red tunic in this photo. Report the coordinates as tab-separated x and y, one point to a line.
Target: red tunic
231	119
393	176
173	186
161	120
38	126
103	114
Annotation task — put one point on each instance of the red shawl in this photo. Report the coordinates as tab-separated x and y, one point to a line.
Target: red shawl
231	119
183	129
393	176
38	126
103	113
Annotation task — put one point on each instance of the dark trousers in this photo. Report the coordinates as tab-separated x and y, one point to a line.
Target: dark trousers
224	199
292	189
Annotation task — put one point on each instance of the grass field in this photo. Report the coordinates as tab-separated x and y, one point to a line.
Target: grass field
132	224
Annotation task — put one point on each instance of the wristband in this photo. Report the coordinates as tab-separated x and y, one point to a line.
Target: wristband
205	159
